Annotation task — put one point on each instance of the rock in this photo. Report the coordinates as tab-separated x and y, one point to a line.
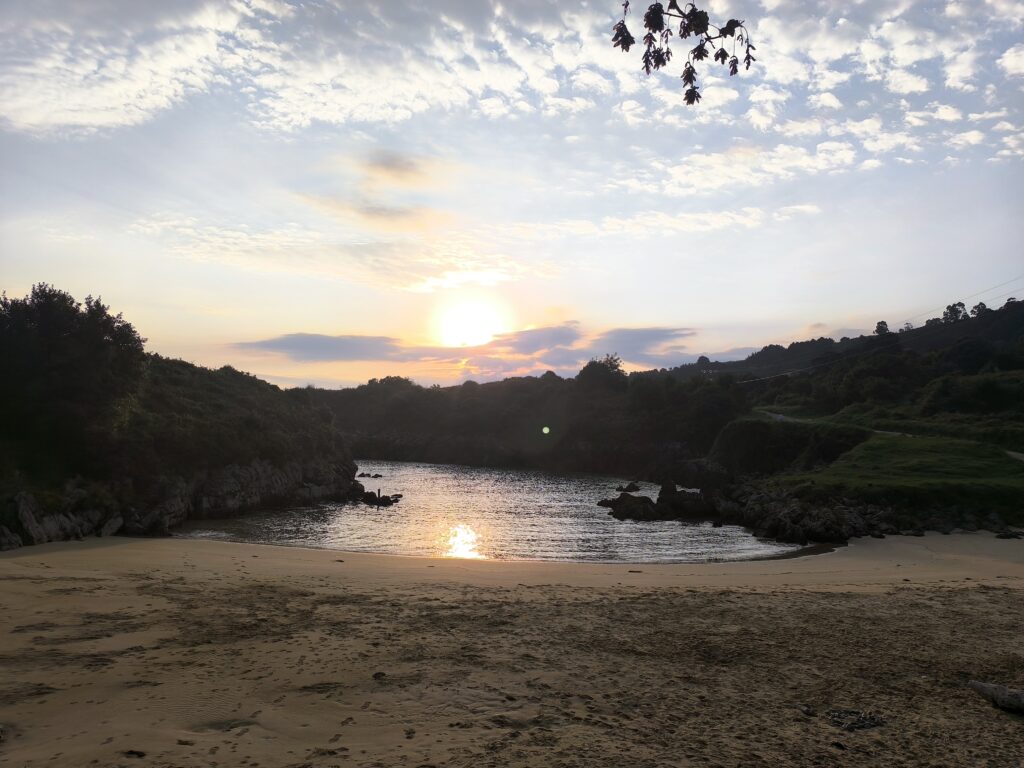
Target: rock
236	489
111	526
8	539
26	513
684	505
999	696
376	500
1008	535
630	487
629	507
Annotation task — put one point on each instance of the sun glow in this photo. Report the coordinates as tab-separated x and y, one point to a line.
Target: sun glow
464	542
470	322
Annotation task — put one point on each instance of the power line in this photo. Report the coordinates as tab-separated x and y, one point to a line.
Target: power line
979	293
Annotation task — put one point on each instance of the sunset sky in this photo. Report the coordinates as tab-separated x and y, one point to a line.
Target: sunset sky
324	192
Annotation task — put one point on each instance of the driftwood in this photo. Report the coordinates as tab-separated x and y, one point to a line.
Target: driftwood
1008	699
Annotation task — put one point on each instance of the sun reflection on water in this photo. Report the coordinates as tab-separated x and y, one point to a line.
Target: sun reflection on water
463	542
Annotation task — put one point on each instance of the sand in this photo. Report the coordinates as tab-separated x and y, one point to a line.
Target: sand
173	652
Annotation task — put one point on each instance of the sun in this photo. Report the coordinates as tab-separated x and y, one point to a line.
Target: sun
470	322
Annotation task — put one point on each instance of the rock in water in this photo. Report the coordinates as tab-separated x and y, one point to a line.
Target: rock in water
630	507
999	696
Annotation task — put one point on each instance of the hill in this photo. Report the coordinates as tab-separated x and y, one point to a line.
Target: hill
98	436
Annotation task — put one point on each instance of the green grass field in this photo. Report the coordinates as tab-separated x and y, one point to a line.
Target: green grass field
920	472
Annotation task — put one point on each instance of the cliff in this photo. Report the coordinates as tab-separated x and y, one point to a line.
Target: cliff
26	518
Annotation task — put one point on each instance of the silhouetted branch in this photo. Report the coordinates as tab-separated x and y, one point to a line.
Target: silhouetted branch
693	22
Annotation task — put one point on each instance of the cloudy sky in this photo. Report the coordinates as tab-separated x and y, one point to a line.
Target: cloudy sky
324	191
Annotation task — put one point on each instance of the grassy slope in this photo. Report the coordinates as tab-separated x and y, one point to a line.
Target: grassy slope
923	472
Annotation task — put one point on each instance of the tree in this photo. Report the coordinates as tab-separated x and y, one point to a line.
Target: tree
67	366
908	326
692	22
979	309
604	373
955	313
882	328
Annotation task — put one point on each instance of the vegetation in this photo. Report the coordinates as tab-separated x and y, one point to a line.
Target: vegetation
765	446
923	474
601	420
81	398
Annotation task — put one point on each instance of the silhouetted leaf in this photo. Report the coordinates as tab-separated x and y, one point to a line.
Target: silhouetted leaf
691	96
654	19
689	74
621	37
699	21
730	27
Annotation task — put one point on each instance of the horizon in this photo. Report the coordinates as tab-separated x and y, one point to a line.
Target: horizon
251	186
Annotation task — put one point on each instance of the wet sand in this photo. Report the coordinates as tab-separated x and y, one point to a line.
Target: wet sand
172	652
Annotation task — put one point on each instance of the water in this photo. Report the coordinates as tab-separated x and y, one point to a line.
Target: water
457	511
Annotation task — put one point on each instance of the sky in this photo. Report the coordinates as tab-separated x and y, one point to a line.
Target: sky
322	191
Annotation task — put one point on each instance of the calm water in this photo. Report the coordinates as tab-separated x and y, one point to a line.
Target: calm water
456	511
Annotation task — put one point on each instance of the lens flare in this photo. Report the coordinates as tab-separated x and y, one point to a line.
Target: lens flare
463	542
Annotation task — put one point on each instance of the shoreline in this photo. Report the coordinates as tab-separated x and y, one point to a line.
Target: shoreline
935	557
809	550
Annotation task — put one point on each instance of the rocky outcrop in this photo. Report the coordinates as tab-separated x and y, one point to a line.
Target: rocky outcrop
236	489
78	514
685	504
629	507
774	513
224	492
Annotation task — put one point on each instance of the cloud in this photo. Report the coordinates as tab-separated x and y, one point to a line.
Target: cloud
901	81
313	347
754	166
327	248
824	101
562	347
644	346
80	83
966	139
381	217
534	340
390	167
1012	62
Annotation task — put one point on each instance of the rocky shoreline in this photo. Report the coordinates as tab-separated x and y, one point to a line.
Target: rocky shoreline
773	513
102	511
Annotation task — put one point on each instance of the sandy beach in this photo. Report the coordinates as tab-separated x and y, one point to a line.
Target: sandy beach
172	652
